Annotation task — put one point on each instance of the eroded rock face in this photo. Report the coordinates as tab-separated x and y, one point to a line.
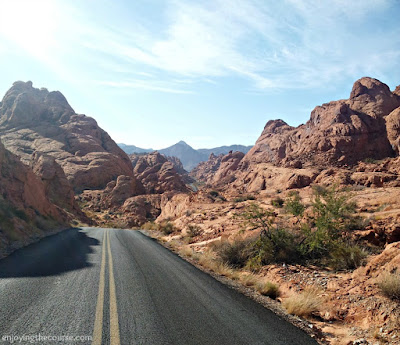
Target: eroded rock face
338	133
36	120
157	174
57	187
25	210
205	171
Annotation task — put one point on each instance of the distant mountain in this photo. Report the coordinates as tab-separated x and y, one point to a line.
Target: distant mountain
187	154
225	149
129	149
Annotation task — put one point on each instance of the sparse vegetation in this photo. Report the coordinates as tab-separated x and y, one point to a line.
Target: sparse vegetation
193	231
216	195
165	228
370	160
320	235
304	304
390	285
234	254
347	256
244	198
213	193
249	279
268	288
277	202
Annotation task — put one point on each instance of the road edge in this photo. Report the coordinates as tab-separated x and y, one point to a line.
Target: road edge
265	301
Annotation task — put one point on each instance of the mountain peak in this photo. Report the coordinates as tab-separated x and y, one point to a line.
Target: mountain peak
182	143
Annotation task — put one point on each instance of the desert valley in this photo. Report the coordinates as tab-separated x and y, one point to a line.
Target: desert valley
306	221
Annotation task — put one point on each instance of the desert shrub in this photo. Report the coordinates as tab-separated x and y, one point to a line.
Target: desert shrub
390	285
268	288
244	198
213	193
150	226
166	228
294	205
332	211
347	256
22	215
303	304
319	236
234	254
370	160
194	230
277	202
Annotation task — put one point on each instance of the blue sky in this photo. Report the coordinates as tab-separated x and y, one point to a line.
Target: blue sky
153	72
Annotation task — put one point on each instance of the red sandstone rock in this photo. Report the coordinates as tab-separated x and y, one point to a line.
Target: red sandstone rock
26	212
157	174
36	120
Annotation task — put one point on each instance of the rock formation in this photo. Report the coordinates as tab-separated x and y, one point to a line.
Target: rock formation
26	212
157	174
205	171
338	134
36	120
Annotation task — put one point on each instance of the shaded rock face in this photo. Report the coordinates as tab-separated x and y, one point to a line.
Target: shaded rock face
338	133
36	120
25	210
205	171
157	174
142	208
57	187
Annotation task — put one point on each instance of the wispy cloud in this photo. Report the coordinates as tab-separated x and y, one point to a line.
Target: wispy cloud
275	45
145	85
290	44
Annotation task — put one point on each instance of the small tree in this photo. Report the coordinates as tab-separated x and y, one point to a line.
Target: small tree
294	205
256	217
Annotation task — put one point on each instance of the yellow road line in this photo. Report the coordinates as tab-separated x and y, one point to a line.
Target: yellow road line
98	323
114	325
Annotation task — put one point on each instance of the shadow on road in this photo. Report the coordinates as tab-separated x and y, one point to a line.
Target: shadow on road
53	255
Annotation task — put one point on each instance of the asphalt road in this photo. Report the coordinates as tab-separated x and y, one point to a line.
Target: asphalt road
120	287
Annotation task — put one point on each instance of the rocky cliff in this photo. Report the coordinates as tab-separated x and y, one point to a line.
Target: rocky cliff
157	173
38	121
339	135
26	212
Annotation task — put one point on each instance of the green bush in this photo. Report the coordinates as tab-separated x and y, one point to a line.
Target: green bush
277	202
293	205
320	236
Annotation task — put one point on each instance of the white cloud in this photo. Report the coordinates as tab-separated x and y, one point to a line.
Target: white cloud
275	45
146	85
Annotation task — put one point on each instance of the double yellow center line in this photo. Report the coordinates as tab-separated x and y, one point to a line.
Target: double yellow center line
98	323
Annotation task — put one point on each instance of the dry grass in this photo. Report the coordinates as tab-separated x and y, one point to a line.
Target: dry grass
208	260
303	304
268	288
186	251
249	279
389	284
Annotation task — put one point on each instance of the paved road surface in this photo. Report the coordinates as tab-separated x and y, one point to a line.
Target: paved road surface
120	287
